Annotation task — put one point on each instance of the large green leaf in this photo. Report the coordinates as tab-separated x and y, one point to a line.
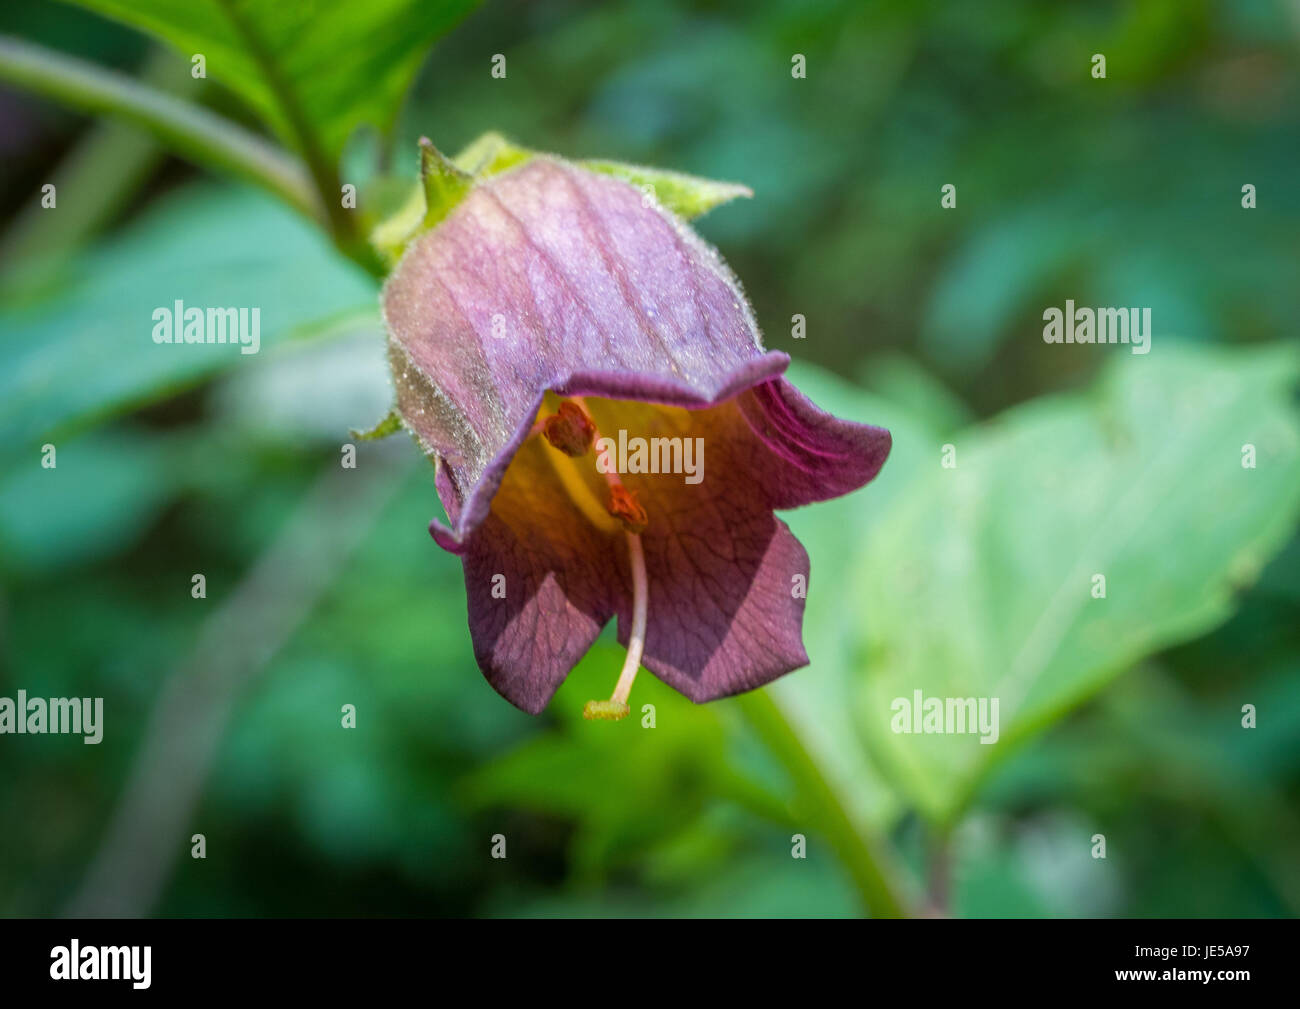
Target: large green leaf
979	581
320	66
87	350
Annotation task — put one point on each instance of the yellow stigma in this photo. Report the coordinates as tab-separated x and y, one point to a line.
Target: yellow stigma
605	711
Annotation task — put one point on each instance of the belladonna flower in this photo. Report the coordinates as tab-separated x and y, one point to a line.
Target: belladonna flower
611	439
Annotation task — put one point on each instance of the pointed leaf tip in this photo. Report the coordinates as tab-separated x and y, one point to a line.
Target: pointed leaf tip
445	185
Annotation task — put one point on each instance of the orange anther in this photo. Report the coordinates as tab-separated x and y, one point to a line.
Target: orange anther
624	507
570	429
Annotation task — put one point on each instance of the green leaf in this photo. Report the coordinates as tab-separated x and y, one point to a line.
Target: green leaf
314	69
87	351
686	196
979	580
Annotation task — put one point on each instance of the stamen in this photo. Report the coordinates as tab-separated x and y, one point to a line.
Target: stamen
576	485
572	431
624	506
617	707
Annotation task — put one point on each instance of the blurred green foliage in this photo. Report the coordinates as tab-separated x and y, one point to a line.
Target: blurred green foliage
1071	460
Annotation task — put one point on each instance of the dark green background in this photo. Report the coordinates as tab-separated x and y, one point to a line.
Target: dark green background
1116	192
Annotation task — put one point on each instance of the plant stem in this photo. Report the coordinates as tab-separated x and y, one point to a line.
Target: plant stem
940	889
153	815
188	129
96	178
863	853
341	224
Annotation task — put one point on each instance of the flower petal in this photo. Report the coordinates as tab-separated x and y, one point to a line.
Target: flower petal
542	275
550	279
540	582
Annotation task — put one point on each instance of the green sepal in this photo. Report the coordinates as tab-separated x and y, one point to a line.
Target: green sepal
491	153
391	424
687	196
443	181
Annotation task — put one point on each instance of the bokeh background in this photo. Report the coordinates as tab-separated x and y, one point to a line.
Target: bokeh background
1120	717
